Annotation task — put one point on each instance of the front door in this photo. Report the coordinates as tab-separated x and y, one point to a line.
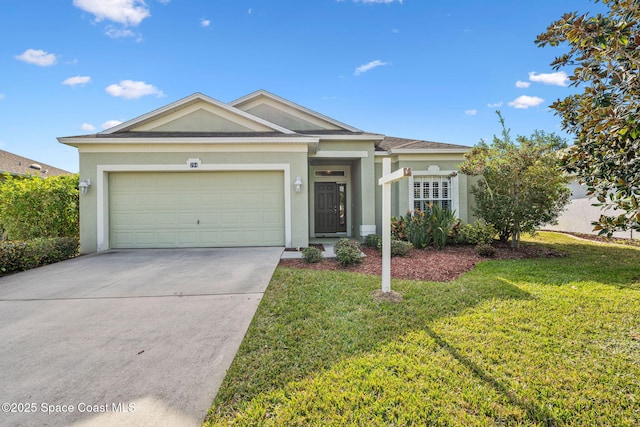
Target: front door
330	207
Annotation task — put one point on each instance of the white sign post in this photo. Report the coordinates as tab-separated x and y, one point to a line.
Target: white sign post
387	179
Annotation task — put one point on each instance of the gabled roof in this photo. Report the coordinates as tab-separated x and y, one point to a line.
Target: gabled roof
262	95
393	145
175	107
20	166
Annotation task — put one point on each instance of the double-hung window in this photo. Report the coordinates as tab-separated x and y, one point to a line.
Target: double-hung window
432	190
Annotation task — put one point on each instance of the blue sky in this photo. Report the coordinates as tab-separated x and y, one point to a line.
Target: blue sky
433	70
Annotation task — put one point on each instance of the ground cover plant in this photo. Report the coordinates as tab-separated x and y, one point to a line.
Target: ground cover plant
544	341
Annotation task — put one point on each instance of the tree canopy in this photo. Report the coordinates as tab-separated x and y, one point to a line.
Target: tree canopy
604	51
521	186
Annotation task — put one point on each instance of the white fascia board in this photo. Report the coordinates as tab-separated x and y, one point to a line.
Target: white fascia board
323	154
429	151
73	141
293	105
196	96
364	137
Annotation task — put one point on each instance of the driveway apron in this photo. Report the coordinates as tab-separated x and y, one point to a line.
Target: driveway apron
126	337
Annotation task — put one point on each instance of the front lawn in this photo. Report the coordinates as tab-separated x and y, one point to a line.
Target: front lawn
553	341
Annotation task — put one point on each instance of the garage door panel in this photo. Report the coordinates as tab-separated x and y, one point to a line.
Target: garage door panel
204	209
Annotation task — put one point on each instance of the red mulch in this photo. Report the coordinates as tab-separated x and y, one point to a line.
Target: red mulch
425	264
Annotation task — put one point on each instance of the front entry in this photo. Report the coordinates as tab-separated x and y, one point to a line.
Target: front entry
330	207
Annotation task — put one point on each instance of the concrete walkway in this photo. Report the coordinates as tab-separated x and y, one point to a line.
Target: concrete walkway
126	337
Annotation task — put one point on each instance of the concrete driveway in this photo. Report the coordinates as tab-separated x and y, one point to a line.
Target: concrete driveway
126	337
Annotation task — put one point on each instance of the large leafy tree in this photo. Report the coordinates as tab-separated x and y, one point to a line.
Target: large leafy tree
604	53
521	185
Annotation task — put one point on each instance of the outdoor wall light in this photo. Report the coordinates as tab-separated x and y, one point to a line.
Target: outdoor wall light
84	186
298	184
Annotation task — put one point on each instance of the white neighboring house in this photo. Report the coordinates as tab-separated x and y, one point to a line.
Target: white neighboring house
580	213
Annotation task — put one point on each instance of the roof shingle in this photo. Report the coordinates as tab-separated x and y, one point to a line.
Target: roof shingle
18	165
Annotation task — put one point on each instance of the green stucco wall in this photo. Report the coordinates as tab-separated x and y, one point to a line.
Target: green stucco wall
89	163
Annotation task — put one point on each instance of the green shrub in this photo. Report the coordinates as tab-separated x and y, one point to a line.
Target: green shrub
400	248
373	241
32	207
311	255
485	250
398	228
476	233
347	252
24	255
432	227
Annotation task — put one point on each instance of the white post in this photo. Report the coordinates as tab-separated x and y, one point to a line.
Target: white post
386	227
387	179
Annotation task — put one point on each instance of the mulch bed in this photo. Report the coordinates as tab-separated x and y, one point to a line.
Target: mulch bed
426	264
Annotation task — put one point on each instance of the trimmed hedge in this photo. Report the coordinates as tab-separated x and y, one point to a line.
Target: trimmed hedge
24	255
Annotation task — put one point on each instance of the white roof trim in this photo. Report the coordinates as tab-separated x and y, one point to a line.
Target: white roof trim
423	151
194	97
363	137
75	141
293	105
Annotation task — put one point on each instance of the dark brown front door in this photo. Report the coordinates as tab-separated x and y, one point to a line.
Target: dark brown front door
330	207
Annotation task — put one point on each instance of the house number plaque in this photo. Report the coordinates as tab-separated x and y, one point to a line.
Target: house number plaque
194	163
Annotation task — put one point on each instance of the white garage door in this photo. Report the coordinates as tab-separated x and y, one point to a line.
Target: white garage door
198	209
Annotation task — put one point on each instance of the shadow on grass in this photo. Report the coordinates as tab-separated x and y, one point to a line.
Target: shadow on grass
613	265
534	412
308	321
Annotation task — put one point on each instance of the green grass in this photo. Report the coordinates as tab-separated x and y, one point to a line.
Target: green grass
551	341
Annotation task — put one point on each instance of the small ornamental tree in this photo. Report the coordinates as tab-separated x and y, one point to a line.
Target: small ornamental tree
34	207
521	186
603	57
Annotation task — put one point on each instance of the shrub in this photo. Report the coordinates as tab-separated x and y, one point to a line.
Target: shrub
24	255
431	227
311	255
476	233
347	252
400	248
485	250
398	228
33	207
441	222
373	241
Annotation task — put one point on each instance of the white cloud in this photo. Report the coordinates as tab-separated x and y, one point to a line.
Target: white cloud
204	22
250	11
121	33
395	31
471	112
366	67
87	127
77	80
110	123
1	96
128	89
522	85
524	101
126	12
495	104
558	79
37	57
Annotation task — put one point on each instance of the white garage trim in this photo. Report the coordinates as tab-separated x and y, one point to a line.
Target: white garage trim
102	190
